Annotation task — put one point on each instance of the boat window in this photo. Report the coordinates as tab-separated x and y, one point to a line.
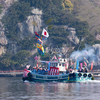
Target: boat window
59	64
56	64
53	64
50	64
60	59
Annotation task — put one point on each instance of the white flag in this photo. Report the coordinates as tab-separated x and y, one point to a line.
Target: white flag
45	33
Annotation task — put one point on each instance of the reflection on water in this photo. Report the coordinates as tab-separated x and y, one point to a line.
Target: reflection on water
14	89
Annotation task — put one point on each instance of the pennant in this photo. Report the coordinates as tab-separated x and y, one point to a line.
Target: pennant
77	64
39	46
39	41
36	58
85	63
37	35
44	38
91	65
45	33
40	51
81	64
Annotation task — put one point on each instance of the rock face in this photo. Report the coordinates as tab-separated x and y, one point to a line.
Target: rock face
32	24
3	38
72	37
26	28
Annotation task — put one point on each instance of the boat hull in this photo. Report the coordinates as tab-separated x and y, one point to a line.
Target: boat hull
70	77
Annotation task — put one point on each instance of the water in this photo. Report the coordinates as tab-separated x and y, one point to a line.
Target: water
13	88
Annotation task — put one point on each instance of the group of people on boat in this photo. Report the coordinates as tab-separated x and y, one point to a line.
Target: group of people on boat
80	69
45	71
40	70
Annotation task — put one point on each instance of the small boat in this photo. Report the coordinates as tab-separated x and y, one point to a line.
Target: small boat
56	71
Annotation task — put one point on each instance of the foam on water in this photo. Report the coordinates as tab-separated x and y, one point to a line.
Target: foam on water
93	81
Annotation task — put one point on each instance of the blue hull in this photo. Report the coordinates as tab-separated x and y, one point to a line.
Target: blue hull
71	77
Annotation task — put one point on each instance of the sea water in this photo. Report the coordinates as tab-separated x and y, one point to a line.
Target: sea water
13	88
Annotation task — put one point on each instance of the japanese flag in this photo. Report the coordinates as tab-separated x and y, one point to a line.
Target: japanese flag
45	33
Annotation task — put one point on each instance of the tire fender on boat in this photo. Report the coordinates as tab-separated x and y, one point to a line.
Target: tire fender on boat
89	75
72	75
85	75
29	76
79	74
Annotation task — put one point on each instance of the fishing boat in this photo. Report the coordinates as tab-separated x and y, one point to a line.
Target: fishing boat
56	71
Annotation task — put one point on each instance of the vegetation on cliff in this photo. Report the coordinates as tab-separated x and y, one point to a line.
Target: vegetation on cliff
17	13
0	8
60	11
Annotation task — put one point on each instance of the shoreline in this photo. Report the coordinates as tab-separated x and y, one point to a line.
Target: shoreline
15	73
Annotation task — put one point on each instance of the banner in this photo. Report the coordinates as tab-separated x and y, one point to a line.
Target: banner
77	64
91	65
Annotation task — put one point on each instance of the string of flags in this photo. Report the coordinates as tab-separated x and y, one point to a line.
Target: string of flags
39	40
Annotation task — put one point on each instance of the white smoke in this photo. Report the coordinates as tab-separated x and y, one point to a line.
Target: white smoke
87	54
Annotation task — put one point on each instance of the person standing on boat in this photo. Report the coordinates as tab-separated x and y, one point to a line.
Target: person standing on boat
26	71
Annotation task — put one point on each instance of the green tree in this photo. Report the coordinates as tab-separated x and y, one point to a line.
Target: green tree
1	8
82	28
59	36
46	57
21	56
27	43
67	5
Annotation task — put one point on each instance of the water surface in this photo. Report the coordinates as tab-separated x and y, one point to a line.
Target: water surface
13	88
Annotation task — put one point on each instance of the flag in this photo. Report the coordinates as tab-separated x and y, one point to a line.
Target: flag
77	64
81	64
49	66
39	41
85	63
40	51
37	35
91	65
39	46
25	73
36	58
45	33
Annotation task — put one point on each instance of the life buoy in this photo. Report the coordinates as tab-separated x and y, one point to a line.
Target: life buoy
79	74
84	75
29	76
73	74
89	75
70	75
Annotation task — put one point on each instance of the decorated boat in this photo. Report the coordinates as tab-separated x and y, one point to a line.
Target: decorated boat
58	71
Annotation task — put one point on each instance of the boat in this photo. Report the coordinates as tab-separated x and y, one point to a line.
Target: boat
56	71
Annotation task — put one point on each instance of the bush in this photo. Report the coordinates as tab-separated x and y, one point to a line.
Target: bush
1	8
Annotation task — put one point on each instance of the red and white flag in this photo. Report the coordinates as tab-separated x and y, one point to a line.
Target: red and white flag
91	65
45	33
25	73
